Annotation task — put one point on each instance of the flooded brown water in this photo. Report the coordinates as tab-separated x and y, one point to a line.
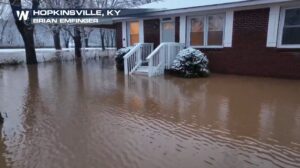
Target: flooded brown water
87	115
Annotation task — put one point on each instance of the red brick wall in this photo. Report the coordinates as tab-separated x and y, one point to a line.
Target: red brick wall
249	54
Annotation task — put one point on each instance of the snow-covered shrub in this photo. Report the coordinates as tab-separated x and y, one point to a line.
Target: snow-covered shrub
190	63
119	57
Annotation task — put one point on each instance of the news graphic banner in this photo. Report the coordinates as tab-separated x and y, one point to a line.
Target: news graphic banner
75	16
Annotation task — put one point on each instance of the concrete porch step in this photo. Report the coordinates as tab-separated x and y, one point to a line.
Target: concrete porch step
142	70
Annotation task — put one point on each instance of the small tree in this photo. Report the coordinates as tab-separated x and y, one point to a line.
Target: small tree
75	31
55	29
66	37
26	29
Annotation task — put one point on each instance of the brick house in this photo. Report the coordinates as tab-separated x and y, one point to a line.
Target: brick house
246	37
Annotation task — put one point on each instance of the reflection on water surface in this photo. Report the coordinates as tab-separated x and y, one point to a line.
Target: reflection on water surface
78	115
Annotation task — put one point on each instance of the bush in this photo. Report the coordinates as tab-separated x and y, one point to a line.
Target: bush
190	63
119	57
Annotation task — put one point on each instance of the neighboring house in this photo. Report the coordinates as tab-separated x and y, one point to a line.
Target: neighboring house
247	37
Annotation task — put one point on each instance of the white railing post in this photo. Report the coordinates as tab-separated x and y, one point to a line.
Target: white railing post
150	67
162	57
125	66
139	57
133	59
169	55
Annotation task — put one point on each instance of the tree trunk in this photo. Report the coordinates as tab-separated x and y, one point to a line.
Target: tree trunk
56	39
26	30
102	35
27	35
86	42
67	43
77	41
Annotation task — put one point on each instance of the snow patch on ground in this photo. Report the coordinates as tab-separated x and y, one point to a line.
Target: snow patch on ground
17	56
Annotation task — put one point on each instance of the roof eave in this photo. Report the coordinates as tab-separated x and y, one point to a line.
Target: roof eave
234	5
217	7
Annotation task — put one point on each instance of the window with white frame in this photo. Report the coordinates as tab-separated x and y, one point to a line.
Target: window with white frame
290	28
206	31
133	32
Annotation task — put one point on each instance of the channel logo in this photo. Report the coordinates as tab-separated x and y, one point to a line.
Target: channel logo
23	15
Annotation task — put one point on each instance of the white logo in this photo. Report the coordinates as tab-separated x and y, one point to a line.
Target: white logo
22	15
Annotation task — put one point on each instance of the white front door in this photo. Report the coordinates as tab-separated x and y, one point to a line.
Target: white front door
168	31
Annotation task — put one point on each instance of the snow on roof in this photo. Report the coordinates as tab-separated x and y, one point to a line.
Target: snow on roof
179	4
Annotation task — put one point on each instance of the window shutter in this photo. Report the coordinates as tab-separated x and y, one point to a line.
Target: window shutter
273	26
228	28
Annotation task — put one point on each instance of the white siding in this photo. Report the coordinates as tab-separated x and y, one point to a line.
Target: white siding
141	30
124	34
182	37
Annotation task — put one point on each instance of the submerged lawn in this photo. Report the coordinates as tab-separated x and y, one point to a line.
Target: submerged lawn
86	114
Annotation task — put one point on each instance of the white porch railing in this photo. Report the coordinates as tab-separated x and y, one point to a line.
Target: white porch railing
134	58
162	57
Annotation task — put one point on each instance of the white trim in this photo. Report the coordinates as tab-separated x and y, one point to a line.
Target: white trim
206	31
295	46
281	26
228	33
182	30
124	34
273	26
141	30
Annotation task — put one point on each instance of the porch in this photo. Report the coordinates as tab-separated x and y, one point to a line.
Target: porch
156	43
157	40
142	59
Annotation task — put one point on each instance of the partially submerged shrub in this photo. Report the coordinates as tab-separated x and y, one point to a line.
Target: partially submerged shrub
119	57
190	63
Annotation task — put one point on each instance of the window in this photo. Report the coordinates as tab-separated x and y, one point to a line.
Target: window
215	30
133	33
290	28
207	31
197	31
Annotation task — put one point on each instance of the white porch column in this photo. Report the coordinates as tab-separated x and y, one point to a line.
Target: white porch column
273	26
124	34
182	30
141	31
